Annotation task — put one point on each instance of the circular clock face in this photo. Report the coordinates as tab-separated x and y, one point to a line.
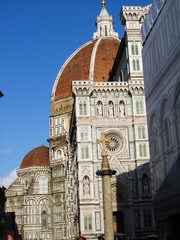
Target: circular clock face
116	143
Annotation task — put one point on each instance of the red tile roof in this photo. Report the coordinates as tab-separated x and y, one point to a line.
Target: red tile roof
77	67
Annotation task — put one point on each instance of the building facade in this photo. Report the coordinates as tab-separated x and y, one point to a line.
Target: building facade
161	58
99	88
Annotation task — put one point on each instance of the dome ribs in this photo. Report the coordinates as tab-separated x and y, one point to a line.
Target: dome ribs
77	67
37	157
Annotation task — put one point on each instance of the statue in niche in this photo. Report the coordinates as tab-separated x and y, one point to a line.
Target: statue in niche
111	109
99	109
122	109
86	185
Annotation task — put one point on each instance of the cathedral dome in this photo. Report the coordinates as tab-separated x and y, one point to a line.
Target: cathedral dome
92	61
37	157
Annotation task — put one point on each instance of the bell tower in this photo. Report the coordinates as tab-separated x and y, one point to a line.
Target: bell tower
131	18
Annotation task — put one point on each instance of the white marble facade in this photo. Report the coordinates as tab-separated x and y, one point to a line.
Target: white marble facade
118	108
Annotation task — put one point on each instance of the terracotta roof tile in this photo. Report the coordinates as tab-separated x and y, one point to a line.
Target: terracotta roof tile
78	65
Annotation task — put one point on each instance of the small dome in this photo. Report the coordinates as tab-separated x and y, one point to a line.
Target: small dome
37	157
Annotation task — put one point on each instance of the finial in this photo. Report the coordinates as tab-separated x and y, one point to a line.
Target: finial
103	3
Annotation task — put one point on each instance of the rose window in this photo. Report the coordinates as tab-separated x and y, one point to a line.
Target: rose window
114	144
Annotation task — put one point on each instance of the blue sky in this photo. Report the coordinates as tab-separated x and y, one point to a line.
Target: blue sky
36	37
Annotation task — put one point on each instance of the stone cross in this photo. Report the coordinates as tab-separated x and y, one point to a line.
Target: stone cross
103	139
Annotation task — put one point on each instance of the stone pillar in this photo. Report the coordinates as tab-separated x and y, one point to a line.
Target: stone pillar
106	173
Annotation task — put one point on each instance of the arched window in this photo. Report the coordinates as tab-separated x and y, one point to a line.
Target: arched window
141	132
82	108
100	31
85	108
44	219
166	126
132	49
155	142
88	222
134	65
137	65
84	134
139	106
43	186
136	49
56	121
145	184
142	150
167	134
84	152
105	30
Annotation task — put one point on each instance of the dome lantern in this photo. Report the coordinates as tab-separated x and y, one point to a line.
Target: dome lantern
104	24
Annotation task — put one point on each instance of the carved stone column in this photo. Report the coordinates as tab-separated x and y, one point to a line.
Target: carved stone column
106	174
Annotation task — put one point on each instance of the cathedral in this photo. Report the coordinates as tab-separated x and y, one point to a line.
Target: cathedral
99	88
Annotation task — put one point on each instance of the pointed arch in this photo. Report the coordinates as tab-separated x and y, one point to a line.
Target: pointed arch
43	185
88	222
153	136
176	108
137	65
136	49
134	65
132	49
166	108
44	219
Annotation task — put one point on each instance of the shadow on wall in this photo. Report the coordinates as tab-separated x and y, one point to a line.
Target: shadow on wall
167	199
133	204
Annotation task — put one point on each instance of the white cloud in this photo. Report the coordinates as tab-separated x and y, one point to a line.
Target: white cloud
7	180
6	151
